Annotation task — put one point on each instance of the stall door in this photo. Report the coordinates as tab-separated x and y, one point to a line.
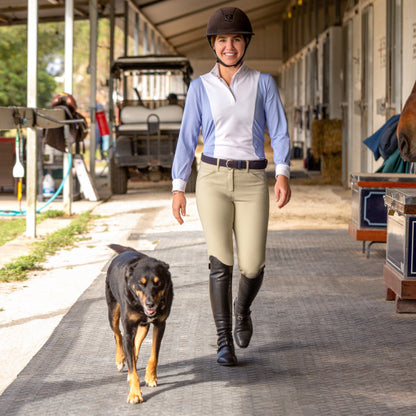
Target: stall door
393	58
366	85
347	102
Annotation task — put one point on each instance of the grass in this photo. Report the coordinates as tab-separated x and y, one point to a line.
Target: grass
12	228
18	269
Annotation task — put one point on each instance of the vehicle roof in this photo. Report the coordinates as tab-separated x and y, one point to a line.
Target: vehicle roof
149	62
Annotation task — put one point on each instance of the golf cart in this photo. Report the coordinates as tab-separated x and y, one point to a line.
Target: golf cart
150	94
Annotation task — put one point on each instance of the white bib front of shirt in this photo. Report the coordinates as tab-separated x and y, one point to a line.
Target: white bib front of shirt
232	109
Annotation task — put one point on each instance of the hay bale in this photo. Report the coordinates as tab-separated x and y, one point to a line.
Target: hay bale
331	168
332	136
326	137
317	131
327	145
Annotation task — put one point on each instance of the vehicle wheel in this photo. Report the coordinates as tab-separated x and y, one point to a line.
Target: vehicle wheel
191	185
118	177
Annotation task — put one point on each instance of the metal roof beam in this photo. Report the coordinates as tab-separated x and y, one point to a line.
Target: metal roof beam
203	9
137	9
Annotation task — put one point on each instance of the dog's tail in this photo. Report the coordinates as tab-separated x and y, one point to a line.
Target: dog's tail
120	249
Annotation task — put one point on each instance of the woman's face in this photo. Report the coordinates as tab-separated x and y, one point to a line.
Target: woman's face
229	48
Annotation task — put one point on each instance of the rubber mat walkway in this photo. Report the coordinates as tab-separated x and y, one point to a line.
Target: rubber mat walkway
325	343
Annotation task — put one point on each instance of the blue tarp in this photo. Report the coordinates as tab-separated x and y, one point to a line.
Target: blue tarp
384	141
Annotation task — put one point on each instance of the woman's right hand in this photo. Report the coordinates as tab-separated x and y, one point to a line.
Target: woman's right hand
179	206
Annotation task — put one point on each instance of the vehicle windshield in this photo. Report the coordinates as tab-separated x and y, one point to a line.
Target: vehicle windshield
151	80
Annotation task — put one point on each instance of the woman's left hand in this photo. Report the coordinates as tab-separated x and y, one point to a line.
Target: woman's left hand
179	206
282	190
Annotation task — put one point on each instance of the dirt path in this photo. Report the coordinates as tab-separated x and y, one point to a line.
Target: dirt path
312	207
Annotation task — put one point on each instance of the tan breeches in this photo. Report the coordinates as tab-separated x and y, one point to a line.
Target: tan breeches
232	201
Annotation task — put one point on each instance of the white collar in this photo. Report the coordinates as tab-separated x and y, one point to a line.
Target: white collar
240	72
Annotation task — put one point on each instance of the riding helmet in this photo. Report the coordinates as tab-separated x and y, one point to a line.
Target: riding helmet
229	20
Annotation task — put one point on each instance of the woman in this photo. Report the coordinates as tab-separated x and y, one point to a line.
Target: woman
232	103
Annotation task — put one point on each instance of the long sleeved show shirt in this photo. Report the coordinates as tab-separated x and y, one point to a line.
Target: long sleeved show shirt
233	120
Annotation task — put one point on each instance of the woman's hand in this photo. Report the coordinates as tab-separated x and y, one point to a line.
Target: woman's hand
179	206
282	190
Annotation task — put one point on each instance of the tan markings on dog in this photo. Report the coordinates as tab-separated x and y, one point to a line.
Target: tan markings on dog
151	376
120	357
160	295
156	280
143	281
141	296
135	394
133	315
140	336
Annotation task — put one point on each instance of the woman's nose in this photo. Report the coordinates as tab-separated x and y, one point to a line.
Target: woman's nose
229	44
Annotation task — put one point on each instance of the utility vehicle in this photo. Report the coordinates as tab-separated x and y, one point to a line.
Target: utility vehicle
149	96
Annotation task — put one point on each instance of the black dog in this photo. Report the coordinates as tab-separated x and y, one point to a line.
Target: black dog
139	293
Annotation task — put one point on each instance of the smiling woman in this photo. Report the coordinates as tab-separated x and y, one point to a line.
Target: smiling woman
233	104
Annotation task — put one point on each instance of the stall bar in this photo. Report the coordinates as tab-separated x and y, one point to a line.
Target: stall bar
400	268
368	213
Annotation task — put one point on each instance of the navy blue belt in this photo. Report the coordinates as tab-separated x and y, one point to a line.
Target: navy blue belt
235	164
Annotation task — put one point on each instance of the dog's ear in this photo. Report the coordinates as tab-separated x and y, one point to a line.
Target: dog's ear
163	269
165	265
131	267
129	271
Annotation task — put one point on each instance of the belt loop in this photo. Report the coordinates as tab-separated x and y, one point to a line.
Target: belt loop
230	180
218	164
247	166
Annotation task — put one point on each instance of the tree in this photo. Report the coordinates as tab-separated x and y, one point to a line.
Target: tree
13	63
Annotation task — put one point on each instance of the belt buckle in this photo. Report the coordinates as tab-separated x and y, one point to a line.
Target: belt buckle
226	163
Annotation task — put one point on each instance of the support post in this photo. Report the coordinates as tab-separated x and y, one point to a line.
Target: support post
31	145
93	83
126	44
69	47
111	117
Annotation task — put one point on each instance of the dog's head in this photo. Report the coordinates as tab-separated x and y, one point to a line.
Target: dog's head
149	281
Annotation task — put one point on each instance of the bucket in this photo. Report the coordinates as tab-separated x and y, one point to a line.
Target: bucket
48	186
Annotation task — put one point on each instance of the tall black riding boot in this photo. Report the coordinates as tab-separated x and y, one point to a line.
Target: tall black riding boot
220	280
247	291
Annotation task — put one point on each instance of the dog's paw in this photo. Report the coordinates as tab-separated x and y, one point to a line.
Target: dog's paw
134	398
120	366
120	360
150	379
151	383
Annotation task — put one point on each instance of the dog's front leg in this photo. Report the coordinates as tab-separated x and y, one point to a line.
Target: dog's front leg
135	395
151	375
120	357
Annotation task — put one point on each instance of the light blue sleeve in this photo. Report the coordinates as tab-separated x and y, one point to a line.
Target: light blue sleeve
277	125
188	137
